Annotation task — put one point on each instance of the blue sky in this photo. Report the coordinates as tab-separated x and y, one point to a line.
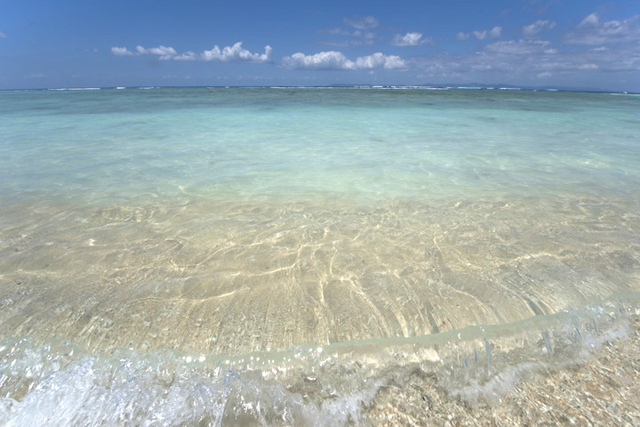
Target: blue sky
565	43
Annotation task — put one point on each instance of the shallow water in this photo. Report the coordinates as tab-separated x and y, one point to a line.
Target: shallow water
155	243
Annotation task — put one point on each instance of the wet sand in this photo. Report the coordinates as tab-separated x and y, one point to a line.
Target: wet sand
602	391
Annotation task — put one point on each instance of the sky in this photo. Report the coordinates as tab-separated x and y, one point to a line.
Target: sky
583	44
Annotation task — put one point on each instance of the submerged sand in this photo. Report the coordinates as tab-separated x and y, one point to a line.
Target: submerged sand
232	279
603	391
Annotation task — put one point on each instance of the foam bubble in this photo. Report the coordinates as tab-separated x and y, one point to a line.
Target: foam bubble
58	384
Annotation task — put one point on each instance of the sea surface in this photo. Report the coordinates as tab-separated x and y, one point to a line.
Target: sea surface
277	256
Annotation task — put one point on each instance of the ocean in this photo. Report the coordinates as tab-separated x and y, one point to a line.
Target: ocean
278	256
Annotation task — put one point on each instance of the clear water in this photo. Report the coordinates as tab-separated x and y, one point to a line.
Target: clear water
211	256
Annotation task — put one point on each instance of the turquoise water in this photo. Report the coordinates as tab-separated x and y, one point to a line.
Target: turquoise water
169	253
300	143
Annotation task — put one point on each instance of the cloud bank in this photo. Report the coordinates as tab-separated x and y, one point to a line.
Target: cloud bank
162	51
592	46
235	53
333	60
534	58
591	31
121	51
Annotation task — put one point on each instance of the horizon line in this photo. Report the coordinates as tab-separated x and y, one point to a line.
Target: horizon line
470	86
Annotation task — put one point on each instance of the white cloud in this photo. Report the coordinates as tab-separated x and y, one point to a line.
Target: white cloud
591	31
494	33
410	39
235	53
379	60
187	56
480	35
333	60
2	35
366	23
162	51
533	58
121	51
590	21
531	31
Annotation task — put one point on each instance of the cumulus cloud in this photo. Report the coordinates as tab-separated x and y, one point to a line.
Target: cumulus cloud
411	39
366	23
187	56
480	35
379	60
590	31
333	60
592	20
235	53
531	31
121	51
162	51
495	32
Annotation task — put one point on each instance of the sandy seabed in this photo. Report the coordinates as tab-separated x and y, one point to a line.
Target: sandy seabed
603	391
